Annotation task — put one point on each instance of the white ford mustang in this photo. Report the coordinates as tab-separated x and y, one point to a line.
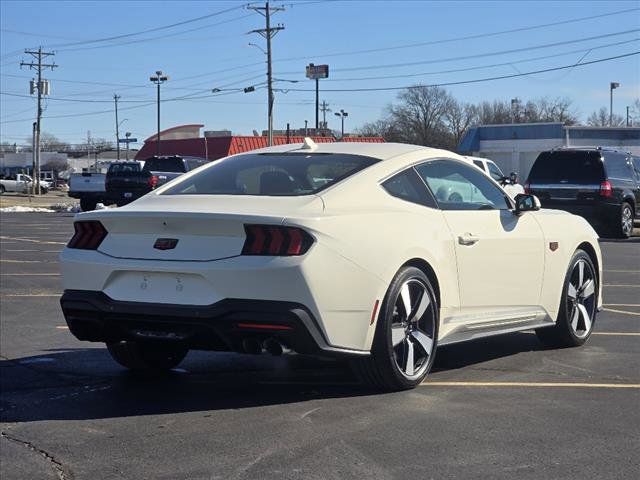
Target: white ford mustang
381	252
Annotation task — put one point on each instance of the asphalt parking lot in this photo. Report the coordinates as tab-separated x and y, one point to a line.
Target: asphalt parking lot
505	407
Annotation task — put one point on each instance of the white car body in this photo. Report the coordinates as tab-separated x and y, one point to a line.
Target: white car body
490	168
21	184
362	237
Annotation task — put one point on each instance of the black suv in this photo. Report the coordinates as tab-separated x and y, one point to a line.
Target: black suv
599	184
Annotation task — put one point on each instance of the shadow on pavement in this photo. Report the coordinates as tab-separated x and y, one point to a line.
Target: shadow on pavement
80	384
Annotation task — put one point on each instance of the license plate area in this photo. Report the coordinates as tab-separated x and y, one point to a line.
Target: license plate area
128	195
160	287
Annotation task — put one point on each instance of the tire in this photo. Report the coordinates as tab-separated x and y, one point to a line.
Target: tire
404	345
2	189
578	307
147	357
87	204
43	191
625	223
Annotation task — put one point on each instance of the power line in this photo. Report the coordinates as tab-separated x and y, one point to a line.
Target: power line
482	67
463	82
457	39
483	55
155	29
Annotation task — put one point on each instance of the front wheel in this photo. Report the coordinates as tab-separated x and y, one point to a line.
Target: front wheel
404	345
578	306
147	357
625	228
2	189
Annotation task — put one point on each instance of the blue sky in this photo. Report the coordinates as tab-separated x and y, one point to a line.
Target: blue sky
213	53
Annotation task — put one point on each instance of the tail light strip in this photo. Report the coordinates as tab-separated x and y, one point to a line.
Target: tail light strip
276	240
89	234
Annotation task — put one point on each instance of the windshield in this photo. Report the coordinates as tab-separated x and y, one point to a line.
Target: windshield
567	167
169	164
281	174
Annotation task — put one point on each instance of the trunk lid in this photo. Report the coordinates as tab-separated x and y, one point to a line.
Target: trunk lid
192	227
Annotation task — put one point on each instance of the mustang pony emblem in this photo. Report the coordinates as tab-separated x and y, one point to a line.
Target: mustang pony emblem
165	243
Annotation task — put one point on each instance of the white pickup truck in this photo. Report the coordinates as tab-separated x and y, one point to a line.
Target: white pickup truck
89	187
21	183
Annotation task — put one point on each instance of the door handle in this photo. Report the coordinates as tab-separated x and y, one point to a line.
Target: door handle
468	239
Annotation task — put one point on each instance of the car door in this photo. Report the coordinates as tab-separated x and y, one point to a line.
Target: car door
500	256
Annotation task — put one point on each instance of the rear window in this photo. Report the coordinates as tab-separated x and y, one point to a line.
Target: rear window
281	174
123	168
567	167
170	164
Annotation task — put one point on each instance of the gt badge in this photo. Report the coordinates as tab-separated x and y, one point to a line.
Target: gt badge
553	246
165	243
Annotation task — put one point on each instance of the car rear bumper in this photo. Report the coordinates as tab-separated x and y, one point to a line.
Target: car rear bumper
222	326
599	214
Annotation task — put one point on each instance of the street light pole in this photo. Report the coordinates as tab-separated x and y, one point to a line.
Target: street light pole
342	114
612	87
127	135
158	79
115	99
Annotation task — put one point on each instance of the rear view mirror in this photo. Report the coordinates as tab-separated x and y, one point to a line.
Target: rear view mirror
526	203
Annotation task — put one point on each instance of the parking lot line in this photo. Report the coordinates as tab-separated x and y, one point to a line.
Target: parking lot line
22	239
622	304
623	334
624	312
31	294
621	285
621	271
30	274
531	384
26	261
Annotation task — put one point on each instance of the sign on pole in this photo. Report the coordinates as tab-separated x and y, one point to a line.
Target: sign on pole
317	71
128	140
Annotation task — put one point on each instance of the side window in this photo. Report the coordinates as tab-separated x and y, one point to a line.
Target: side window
479	164
617	166
495	171
636	166
457	186
406	185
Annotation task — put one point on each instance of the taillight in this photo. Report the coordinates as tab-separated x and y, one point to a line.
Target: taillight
527	188
89	235
276	240
605	189
153	181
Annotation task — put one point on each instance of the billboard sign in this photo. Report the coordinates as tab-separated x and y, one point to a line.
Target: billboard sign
317	71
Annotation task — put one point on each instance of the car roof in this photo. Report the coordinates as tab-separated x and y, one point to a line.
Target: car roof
380	151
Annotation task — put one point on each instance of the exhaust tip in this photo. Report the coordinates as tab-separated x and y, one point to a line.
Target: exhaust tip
273	346
252	346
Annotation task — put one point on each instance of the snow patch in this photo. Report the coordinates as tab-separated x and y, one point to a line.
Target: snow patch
22	209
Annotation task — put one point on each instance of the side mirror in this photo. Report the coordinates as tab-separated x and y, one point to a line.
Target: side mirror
513	178
526	203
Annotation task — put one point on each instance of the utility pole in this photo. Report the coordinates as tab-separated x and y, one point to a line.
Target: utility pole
324	109
268	33
115	99
42	88
628	118
612	87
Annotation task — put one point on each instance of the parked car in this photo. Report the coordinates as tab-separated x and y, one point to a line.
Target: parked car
21	183
510	183
597	183
165	169
89	187
340	249
126	182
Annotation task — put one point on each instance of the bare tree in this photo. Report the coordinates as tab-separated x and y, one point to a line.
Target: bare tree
600	118
634	113
420	116
384	128
56	164
50	143
102	144
494	113
458	118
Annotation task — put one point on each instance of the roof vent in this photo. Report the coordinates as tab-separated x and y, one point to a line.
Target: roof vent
308	144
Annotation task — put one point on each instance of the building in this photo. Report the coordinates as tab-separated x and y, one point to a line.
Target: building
186	140
514	147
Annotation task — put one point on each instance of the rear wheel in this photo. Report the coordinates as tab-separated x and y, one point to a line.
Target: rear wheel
625	228
577	313
404	345
2	189
87	204
147	357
